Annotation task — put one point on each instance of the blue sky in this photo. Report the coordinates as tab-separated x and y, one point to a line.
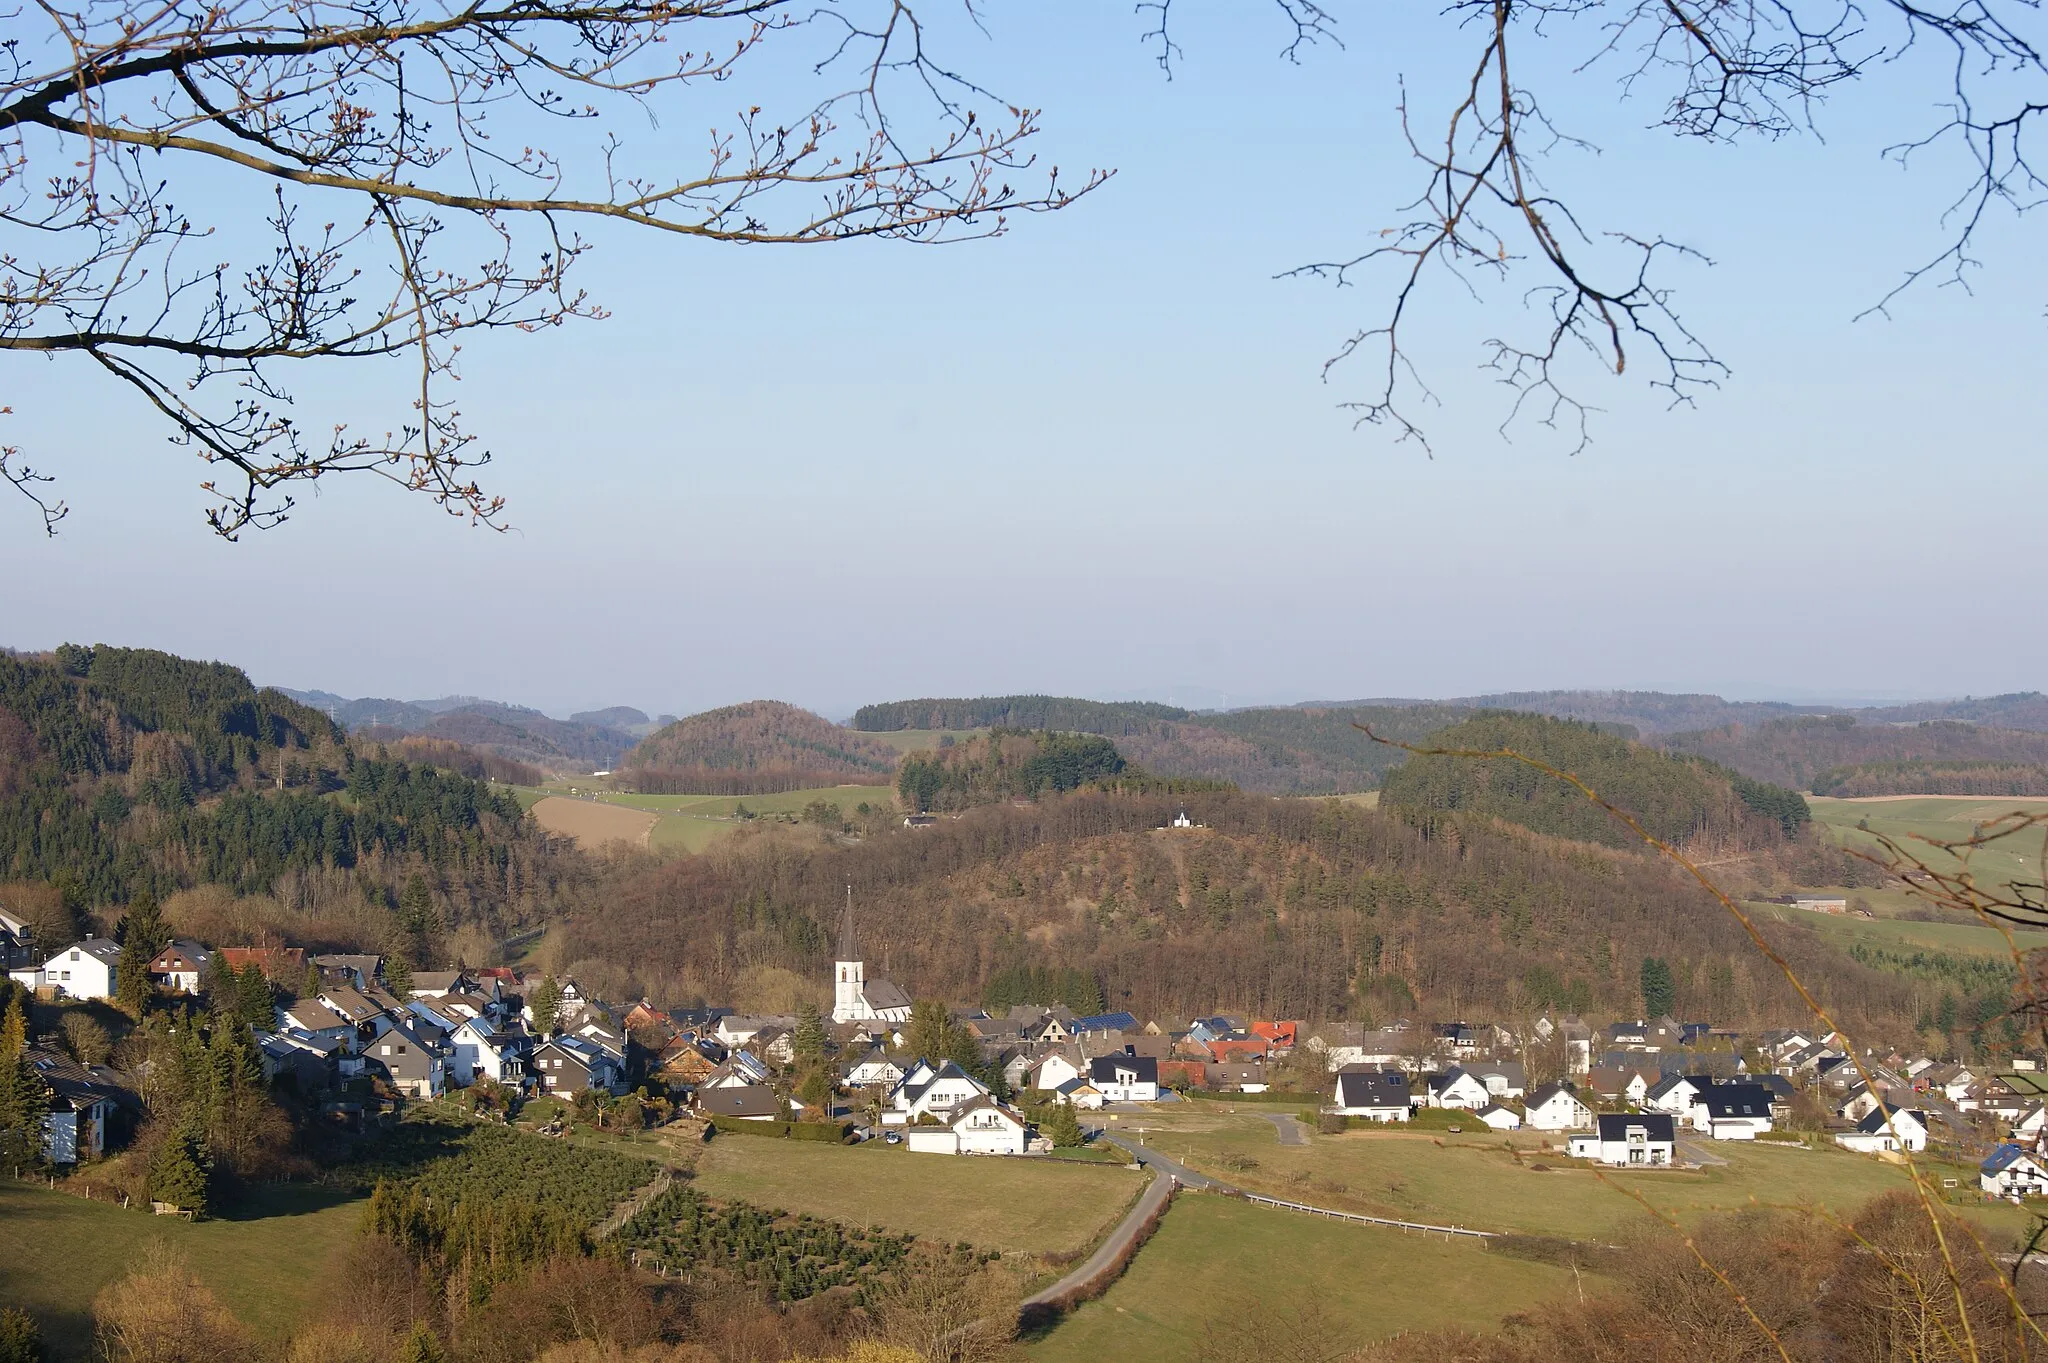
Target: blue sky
1098	457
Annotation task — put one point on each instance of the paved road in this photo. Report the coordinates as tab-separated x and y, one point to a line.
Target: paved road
1107	1253
1152	1159
1696	1152
1289	1127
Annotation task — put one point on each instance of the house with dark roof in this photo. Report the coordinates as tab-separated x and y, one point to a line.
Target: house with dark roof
1106	1022
567	1065
1375	1094
1732	1112
1125	1078
179	966
411	1058
82	1103
2010	1171
83	970
1628	1138
747	1103
1557	1107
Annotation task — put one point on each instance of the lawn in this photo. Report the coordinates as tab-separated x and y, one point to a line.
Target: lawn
1490	1182
1029	1205
1905	934
1211	1253
268	1263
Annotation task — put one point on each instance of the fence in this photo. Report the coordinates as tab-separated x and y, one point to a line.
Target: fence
1367	1220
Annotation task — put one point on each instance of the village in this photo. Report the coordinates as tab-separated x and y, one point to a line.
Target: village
1635	1093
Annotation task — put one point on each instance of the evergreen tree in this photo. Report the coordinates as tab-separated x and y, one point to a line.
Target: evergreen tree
1660	994
310	986
181	1172
21	1339
253	1002
142	934
421	1346
809	1039
24	1094
398	974
546	1002
1062	1127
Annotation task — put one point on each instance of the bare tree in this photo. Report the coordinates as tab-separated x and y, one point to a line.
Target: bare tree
1715	70
402	194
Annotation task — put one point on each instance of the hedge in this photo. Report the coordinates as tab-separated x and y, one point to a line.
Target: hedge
832	1132
1314	1100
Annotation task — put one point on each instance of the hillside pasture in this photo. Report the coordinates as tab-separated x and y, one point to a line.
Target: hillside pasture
1485	1181
1030	1206
593	823
1214	1257
1905	934
1911	820
921	740
269	1262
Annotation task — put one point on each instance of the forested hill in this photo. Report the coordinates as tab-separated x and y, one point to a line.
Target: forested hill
1678	798
1113	718
124	771
587	742
1850	755
1005	764
1279	908
759	747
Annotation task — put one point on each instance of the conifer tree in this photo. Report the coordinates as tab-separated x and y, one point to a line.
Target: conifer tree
546	1003
1062	1127
24	1094
21	1339
809	1040
421	1346
398	974
181	1172
142	934
253	1004
1660	994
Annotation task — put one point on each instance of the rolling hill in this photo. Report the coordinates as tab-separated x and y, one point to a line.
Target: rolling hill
589	741
758	747
1827	754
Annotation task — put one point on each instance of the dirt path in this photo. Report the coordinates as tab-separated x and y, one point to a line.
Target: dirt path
635	1200
1111	1249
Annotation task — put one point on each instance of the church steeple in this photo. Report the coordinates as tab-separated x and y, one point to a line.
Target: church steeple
849	946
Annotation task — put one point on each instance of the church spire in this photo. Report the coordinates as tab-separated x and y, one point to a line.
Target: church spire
849	948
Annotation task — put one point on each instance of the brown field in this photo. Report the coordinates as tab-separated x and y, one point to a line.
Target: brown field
593	824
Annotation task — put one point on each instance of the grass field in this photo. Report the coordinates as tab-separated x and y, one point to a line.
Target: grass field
1903	934
1034	1206
674	823
1479	1181
920	740
59	1251
1211	1254
1908	819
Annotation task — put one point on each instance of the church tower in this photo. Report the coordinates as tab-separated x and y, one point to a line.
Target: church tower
849	976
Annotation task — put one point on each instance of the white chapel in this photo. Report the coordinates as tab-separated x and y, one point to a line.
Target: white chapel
855	997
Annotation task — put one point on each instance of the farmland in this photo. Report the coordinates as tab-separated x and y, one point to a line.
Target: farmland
1198	1270
268	1263
1911	821
1905	934
1030	1206
674	823
1513	1183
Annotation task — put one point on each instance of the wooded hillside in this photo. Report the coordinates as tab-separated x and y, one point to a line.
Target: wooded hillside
1800	752
760	747
1277	907
1005	764
1015	712
1679	799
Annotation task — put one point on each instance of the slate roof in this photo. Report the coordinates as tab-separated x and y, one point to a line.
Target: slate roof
1656	1125
1102	1069
1727	1101
1362	1087
752	1100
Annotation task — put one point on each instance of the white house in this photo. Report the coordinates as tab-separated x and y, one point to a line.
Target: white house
980	1126
1554	1107
1055	1070
1732	1112
1674	1093
1500	1118
1080	1095
81	1102
1125	1078
1503	1079
875	1068
2012	1172
84	970
1375	1094
178	966
1456	1088
930	1089
1627	1138
314	1020
480	1051
1885	1132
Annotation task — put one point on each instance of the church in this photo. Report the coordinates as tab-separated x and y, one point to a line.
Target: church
855	997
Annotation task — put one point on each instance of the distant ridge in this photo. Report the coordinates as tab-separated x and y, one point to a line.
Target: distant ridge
1044	713
514	732
760	747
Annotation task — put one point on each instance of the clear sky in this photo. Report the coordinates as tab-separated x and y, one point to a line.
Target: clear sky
1097	457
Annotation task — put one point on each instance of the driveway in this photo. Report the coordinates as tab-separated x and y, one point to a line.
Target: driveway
1695	1151
1289	1127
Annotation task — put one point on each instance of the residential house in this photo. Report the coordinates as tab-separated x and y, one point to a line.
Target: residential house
874	1068
179	966
1125	1078
1884	1131
980	1126
315	1021
17	941
1055	1068
1105	1022
1234	1078
1675	1093
280	965
1628	1138
1080	1095
1223	1050
83	970
686	1061
412	1060
358	969
1607	1083
2011	1172
1346	1045
1456	1088
1503	1079
1732	1112
746	1102
82	1102
567	1065
434	984
311	1063
1375	1094
1280	1036
478	1049
1500	1118
927	1088
1556	1107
